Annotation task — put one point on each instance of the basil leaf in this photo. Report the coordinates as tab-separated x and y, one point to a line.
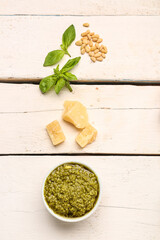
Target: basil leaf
53	57
59	85
69	76
68	36
68	86
70	64
46	83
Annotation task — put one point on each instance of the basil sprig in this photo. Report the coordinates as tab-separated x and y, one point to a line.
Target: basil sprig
55	56
60	78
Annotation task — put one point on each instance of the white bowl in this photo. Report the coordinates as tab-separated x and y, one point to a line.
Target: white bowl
65	219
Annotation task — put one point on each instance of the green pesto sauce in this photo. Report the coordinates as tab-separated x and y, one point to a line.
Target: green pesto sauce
71	190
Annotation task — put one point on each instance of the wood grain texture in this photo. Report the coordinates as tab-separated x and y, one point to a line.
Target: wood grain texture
133	47
129	208
127	119
82	7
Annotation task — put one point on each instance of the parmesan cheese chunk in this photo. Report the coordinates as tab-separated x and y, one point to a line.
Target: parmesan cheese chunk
86	136
75	113
55	132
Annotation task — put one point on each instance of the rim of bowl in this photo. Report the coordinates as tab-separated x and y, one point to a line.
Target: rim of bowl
65	219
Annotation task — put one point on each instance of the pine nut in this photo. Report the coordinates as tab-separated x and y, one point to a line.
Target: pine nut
95	36
91	54
103	55
85	24
90	43
93	59
100	59
97	45
88	31
84	38
83	51
89	37
83	46
104	50
84	34
85	41
97	55
93	48
87	49
79	43
96	51
99	40
94	39
92	33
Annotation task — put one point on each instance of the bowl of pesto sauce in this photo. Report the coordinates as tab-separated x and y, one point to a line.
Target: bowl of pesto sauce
71	191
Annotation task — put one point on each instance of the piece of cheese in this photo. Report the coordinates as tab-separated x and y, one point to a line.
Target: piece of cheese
55	132
75	113
86	136
68	105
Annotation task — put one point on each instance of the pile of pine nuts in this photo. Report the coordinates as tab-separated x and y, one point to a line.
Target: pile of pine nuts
89	43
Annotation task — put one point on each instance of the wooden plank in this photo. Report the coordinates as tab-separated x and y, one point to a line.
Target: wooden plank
28	98
126	121
119	131
129	208
133	47
82	7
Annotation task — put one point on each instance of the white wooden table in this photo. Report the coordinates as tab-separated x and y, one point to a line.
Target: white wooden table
123	104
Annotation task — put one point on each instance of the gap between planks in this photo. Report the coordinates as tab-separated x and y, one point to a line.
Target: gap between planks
85	82
55	110
82	154
75	15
